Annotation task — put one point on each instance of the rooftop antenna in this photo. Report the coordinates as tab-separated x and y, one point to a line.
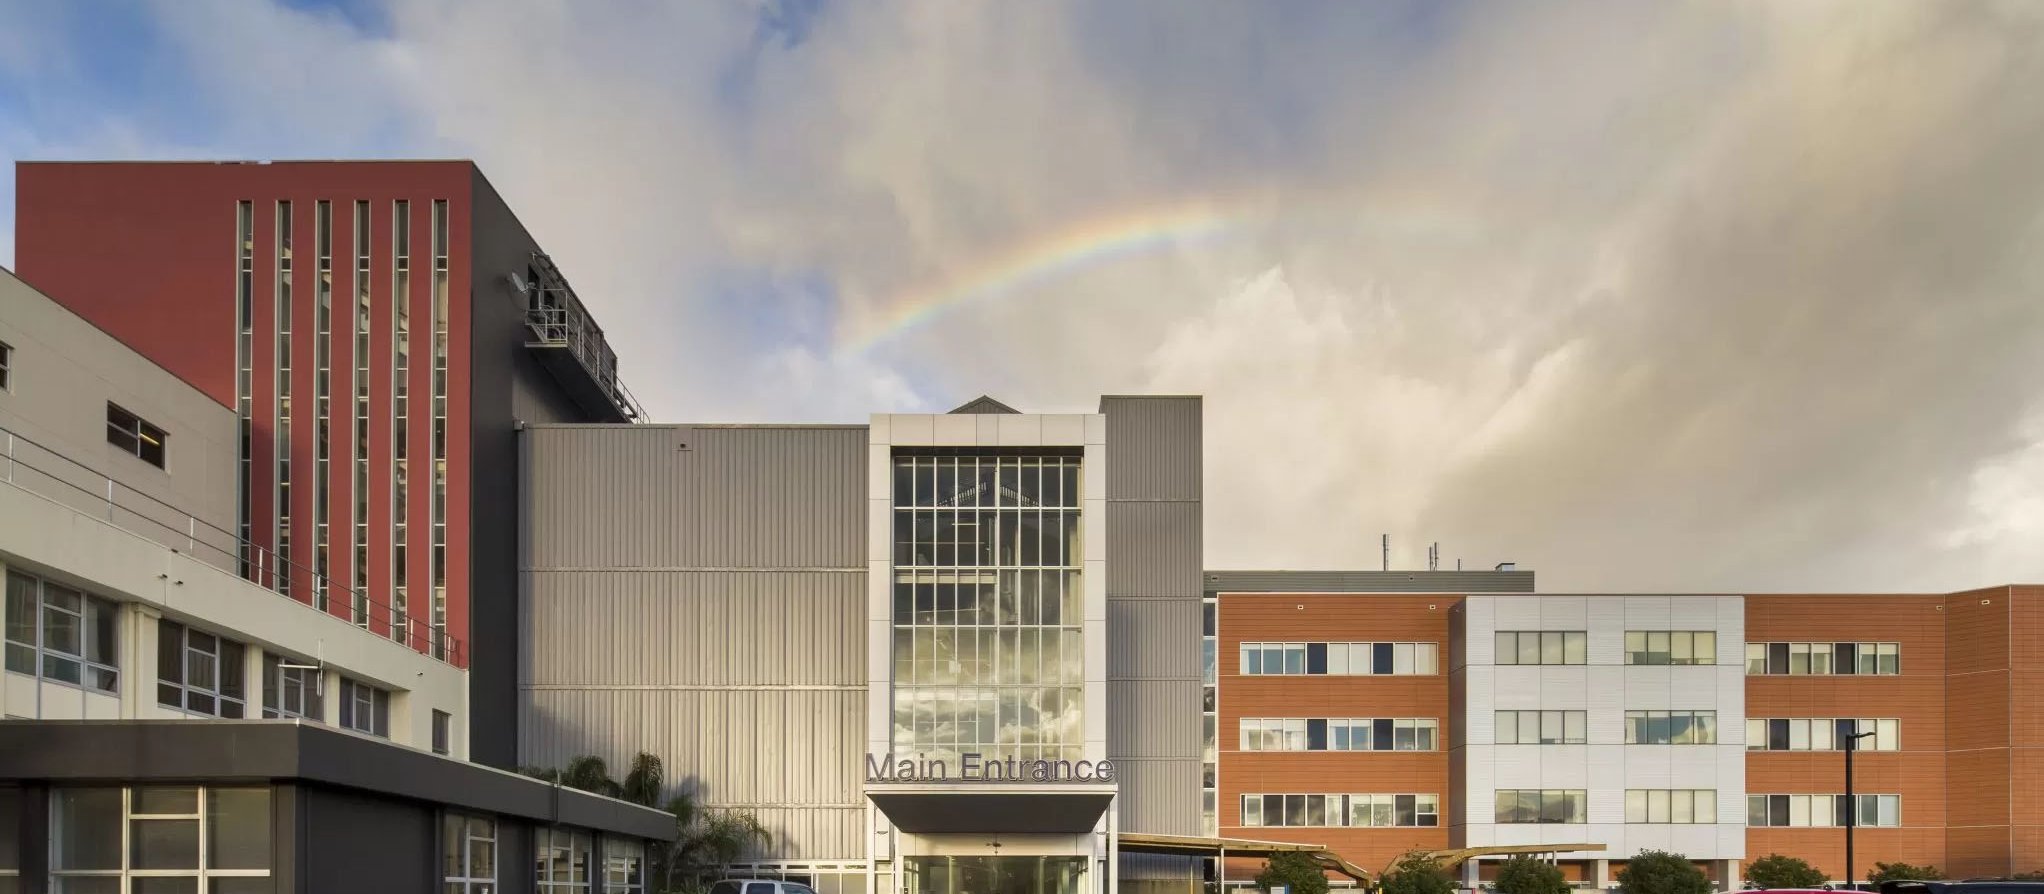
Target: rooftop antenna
1458	564
1387	552
1434	556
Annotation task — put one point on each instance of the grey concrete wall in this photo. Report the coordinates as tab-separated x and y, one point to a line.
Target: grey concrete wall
697	592
63	373
1153	608
507	387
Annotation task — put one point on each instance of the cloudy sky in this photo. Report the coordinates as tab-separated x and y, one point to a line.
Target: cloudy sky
1643	296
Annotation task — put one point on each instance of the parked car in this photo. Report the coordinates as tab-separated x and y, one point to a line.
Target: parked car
759	886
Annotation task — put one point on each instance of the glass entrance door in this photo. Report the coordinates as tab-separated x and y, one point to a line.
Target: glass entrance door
996	875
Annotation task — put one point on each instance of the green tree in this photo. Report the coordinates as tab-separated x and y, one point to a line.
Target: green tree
1778	871
1416	873
1886	872
1526	874
1660	872
1296	870
705	840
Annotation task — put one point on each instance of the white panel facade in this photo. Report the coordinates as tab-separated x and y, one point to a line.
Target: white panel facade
1604	687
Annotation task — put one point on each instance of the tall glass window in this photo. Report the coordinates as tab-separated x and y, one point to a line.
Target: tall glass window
988	648
1209	646
359	599
469	848
400	415
161	838
283	571
560	860
439	556
199	672
323	399
244	360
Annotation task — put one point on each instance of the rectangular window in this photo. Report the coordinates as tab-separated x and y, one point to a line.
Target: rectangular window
1543	647
400	416
468	854
359	477
199	672
1822	733
561	860
624	867
60	634
1353	659
440	324
365	708
1340	734
1671	806
441	720
135	435
1542	727
1671	727
6	366
176	838
1521	806
282	384
1671	647
291	689
1823	658
1823	810
322	399
244	378
1328	810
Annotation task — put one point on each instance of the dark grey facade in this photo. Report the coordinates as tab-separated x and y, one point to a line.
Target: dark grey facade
345	812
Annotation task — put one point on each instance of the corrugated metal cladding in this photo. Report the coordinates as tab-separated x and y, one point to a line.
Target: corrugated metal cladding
1153	597
664	628
1158	548
696	496
1153	447
697	592
1150	867
1369	581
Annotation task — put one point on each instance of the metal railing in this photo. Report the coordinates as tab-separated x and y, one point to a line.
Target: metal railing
557	319
40	470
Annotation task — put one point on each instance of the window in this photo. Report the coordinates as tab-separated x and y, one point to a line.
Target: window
6	366
1542	727
1659	805
1543	647
290	690
1823	810
468	847
1671	647
1209	650
198	672
624	867
1823	658
1358	811
1821	733
60	634
365	708
1341	659
561	860
165	827
1671	727
1542	806
133	435
440	721
1340	734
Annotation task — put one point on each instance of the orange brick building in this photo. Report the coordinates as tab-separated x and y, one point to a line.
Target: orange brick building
1947	688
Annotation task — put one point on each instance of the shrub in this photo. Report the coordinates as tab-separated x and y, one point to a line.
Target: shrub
1416	873
1777	871
1524	874
1296	869
1660	872
1885	872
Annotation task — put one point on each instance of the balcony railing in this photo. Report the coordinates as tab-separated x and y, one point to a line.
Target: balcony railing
557	320
43	471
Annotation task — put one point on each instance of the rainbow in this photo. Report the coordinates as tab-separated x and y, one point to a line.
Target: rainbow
1078	245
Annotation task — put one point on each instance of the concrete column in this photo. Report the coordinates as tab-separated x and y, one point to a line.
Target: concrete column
252	681
138	649
1470	873
330	697
1601	874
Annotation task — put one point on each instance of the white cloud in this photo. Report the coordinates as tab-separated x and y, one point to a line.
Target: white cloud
1667	296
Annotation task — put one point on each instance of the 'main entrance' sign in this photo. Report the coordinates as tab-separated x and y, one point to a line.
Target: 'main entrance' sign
974	767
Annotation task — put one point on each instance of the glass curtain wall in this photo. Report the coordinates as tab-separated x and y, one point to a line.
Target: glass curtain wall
996	875
988	649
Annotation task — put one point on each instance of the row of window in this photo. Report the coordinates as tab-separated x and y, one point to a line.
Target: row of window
1543	805
1671	647
60	634
987	537
1650	647
1681	805
1823	658
1341	659
1358	811
1542	727
1823	810
102	835
1671	727
1026	597
986	481
561	859
1822	733
1340	734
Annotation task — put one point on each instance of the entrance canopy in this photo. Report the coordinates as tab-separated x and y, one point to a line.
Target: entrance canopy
978	807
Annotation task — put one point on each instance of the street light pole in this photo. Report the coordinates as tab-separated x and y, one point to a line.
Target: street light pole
1851	807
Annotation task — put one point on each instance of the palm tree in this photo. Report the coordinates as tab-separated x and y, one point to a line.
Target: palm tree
643	784
705	840
590	775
